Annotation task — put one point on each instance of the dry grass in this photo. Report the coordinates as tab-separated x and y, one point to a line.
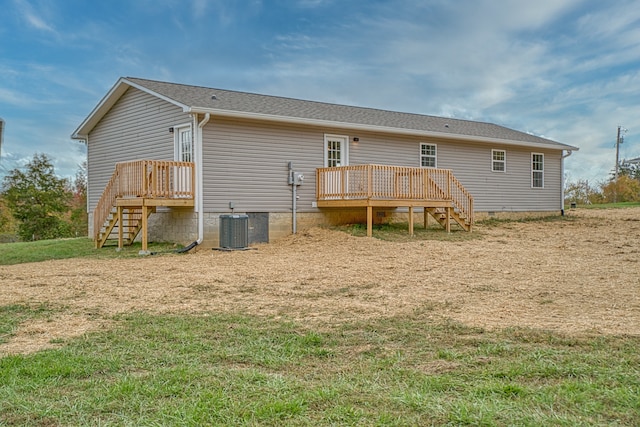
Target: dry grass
579	275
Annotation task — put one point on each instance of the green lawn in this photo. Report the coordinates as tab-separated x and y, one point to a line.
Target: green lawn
242	370
82	247
608	205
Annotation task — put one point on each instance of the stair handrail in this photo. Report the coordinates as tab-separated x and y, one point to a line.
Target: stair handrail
461	198
106	202
457	193
144	178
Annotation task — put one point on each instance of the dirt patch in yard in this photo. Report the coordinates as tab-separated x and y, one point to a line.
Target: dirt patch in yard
577	275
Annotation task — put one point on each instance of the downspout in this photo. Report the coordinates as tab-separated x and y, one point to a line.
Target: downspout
564	156
199	182
200	179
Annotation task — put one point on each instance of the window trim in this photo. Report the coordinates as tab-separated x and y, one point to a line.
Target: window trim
494	162
177	150
534	171
344	150
434	156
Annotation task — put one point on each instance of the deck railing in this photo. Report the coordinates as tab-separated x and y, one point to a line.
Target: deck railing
154	179
379	182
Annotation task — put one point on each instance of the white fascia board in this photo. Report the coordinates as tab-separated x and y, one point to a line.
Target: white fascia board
108	101
99	110
374	128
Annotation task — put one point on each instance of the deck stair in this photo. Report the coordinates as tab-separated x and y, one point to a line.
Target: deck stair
134	192
131	225
455	217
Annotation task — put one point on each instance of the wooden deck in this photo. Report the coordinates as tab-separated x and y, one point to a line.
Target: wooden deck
437	191
133	193
137	188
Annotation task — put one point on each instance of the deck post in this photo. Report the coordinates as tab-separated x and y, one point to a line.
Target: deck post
120	227
448	219
145	179
145	217
369	221
410	220
426	218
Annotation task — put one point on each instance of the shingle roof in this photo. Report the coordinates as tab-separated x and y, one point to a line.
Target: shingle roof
198	98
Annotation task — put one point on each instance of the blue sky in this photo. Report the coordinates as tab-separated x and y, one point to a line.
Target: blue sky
568	70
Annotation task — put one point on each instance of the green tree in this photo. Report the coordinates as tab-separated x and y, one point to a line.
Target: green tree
625	190
37	199
78	213
8	224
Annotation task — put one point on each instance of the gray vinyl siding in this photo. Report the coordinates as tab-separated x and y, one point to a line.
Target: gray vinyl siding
136	128
246	163
508	191
471	164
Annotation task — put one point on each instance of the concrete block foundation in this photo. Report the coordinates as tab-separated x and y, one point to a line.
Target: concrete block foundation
180	225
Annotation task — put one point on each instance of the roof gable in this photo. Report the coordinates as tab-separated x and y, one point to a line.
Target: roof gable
198	99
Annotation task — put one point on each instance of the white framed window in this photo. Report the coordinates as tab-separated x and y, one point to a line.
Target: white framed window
499	160
428	155
537	170
336	150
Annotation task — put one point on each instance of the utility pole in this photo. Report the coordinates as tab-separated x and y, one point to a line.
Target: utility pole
619	140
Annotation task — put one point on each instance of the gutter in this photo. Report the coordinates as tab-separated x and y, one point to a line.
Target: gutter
377	128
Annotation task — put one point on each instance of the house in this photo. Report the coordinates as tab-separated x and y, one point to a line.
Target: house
171	160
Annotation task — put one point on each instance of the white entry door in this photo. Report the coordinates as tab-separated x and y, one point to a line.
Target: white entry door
336	153
183	153
184	144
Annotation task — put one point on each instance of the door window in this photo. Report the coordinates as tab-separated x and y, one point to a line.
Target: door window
183	143
336	150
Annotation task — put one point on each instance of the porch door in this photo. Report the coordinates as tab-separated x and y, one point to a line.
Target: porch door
336	153
183	153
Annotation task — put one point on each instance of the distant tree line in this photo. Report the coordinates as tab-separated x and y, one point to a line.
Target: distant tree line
625	189
36	204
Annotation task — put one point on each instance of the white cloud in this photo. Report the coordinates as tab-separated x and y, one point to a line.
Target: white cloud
29	15
13	98
313	3
566	69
